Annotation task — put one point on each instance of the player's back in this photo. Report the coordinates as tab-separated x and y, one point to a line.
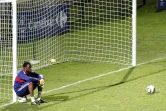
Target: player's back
20	79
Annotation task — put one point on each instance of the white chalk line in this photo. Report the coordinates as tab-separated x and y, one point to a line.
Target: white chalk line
85	80
101	75
88	79
6	104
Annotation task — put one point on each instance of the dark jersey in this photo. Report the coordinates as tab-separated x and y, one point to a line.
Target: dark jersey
24	77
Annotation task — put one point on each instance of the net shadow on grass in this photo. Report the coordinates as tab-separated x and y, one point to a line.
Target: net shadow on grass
97	89
124	79
63	97
59	98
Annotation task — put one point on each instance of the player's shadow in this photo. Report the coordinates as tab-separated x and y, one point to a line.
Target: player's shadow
28	107
58	98
19	107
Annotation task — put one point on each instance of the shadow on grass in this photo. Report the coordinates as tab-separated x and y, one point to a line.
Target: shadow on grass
58	98
54	99
97	89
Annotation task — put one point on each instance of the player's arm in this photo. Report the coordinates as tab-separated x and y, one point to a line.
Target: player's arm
38	76
27	78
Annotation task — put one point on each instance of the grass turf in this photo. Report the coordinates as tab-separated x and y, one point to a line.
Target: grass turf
122	91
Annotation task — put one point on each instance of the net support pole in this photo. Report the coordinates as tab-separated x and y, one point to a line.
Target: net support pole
14	43
33	42
144	2
134	8
82	4
34	60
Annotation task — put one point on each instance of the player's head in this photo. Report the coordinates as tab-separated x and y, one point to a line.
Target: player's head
27	66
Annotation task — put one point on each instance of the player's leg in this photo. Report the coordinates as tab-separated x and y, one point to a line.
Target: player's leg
31	88
40	88
31	92
25	89
22	92
39	92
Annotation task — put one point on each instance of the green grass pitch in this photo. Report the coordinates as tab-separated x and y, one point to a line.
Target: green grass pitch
119	91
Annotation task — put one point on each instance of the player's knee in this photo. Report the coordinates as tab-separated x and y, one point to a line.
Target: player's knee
32	81
31	84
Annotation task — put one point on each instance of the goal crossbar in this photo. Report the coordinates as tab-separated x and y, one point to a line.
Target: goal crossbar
98	31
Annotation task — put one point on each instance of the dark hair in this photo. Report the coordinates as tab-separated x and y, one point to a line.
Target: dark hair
26	63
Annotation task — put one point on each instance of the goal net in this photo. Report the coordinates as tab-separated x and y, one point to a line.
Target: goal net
75	30
7	50
101	31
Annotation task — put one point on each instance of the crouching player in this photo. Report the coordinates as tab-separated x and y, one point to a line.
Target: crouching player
25	83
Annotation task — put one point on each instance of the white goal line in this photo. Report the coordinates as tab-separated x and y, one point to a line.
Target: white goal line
101	75
88	79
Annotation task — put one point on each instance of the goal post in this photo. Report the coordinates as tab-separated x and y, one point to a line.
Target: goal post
77	30
8	50
14	44
105	33
74	30
134	31
92	31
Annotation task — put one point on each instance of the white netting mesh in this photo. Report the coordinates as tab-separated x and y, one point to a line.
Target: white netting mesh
66	30
75	30
40	31
101	31
5	52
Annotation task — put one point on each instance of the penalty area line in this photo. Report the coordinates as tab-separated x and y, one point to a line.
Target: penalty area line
101	75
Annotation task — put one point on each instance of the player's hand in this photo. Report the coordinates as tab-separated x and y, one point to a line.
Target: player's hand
41	82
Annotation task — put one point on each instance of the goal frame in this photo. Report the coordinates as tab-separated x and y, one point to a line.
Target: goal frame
14	38
134	13
14	42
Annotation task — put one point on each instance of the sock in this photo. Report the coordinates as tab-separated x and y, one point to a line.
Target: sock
32	99
39	95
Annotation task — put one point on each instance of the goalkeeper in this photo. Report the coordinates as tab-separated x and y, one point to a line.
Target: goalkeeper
25	83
